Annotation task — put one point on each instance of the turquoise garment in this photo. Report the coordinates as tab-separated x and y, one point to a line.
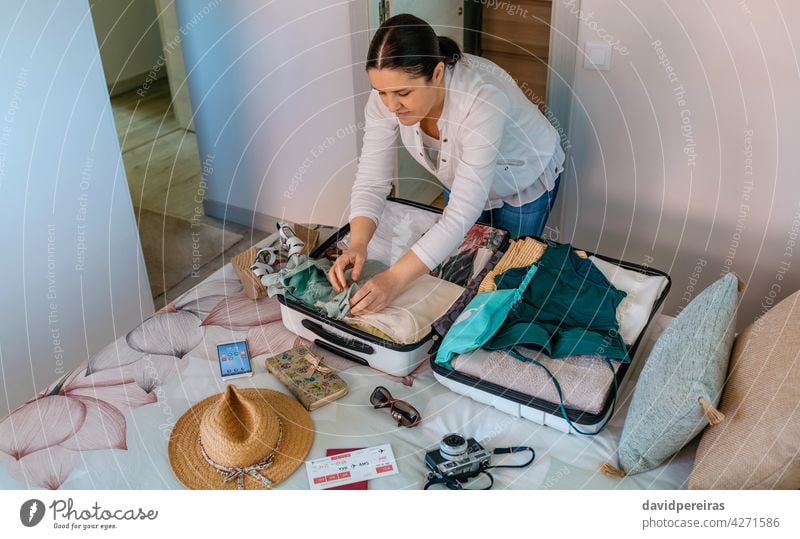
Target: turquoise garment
480	320
569	309
305	280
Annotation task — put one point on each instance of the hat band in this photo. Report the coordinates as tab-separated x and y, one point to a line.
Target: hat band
233	472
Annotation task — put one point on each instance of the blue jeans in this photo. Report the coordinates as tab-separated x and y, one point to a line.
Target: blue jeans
526	220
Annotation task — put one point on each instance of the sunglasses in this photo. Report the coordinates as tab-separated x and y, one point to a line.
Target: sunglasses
402	412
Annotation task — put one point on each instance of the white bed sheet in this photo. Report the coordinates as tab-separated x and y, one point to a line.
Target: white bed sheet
563	461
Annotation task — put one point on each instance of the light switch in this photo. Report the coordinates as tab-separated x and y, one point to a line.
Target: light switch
597	55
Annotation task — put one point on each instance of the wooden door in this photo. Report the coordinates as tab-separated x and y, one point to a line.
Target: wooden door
517	38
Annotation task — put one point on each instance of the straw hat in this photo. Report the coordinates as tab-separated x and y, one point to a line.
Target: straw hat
242	438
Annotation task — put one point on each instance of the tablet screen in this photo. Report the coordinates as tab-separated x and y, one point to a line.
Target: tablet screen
233	358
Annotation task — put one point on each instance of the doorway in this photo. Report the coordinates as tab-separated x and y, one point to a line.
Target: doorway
141	55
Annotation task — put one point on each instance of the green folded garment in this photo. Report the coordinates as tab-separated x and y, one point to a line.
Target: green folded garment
305	280
568	309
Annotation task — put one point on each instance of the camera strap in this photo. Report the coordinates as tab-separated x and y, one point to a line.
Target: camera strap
515	449
455	484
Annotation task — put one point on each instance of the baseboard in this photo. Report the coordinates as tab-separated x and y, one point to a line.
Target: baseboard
242	216
131	83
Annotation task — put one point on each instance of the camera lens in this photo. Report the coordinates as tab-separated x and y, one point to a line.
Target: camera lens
452	446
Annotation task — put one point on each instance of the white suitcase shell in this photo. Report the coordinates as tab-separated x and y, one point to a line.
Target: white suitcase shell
343	340
402	223
548	413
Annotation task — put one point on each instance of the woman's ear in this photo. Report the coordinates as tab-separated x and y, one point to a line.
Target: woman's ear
438	73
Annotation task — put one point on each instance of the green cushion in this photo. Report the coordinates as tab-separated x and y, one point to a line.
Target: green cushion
689	360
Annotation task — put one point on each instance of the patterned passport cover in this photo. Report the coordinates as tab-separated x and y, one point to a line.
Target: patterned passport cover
312	388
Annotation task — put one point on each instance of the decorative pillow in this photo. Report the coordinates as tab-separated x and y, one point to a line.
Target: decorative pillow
757	445
683	376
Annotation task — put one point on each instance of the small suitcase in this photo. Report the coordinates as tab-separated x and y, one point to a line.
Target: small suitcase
543	411
403	223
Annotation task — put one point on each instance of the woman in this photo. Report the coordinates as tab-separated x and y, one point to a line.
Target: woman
465	120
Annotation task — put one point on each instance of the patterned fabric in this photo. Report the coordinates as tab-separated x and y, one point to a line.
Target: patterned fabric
305	280
522	253
688	361
464	263
312	383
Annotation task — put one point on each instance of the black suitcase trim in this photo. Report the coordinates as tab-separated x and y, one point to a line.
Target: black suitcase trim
580	417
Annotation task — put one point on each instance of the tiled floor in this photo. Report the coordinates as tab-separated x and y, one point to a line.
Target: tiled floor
163	169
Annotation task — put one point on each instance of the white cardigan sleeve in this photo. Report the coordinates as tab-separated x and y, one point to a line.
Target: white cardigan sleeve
480	135
374	176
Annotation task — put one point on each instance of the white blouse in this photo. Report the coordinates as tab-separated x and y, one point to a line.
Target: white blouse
432	147
496	147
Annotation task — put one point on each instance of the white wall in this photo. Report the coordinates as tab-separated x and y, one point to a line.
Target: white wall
72	271
699	182
272	89
130	43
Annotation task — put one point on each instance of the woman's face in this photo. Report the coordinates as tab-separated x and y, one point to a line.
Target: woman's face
410	98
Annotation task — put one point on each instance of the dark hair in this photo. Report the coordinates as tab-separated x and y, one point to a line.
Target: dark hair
407	42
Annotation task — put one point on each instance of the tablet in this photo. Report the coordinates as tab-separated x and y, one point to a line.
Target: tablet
234	360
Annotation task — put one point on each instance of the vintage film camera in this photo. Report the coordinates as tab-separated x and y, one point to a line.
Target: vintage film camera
458	458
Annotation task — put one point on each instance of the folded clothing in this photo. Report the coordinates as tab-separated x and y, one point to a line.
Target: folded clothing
408	318
568	309
642	293
522	253
305	280
585	380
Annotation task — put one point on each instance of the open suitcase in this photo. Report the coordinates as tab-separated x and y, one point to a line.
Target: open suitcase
402	223
409	220
550	412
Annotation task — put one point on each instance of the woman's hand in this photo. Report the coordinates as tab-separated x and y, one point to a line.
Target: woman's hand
376	293
353	257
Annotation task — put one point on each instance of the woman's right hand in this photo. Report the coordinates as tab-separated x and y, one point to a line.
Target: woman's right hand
354	257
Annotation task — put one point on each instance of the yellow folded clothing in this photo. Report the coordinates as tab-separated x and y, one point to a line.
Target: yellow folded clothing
375	332
522	253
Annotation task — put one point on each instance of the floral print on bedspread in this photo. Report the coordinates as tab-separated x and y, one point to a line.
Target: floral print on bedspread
84	410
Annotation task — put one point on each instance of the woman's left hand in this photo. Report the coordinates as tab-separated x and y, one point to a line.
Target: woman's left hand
376	293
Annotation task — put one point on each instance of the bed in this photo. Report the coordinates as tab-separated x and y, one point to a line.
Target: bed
106	425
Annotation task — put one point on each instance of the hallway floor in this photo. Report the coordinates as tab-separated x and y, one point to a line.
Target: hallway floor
181	245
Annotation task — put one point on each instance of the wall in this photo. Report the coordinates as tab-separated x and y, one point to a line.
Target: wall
272	89
73	276
685	152
130	44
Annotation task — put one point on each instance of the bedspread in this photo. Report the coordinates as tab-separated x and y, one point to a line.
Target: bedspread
107	424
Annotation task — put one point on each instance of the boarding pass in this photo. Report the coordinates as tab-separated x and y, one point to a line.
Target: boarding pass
346	468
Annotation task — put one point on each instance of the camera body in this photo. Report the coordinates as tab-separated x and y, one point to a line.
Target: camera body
458	458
